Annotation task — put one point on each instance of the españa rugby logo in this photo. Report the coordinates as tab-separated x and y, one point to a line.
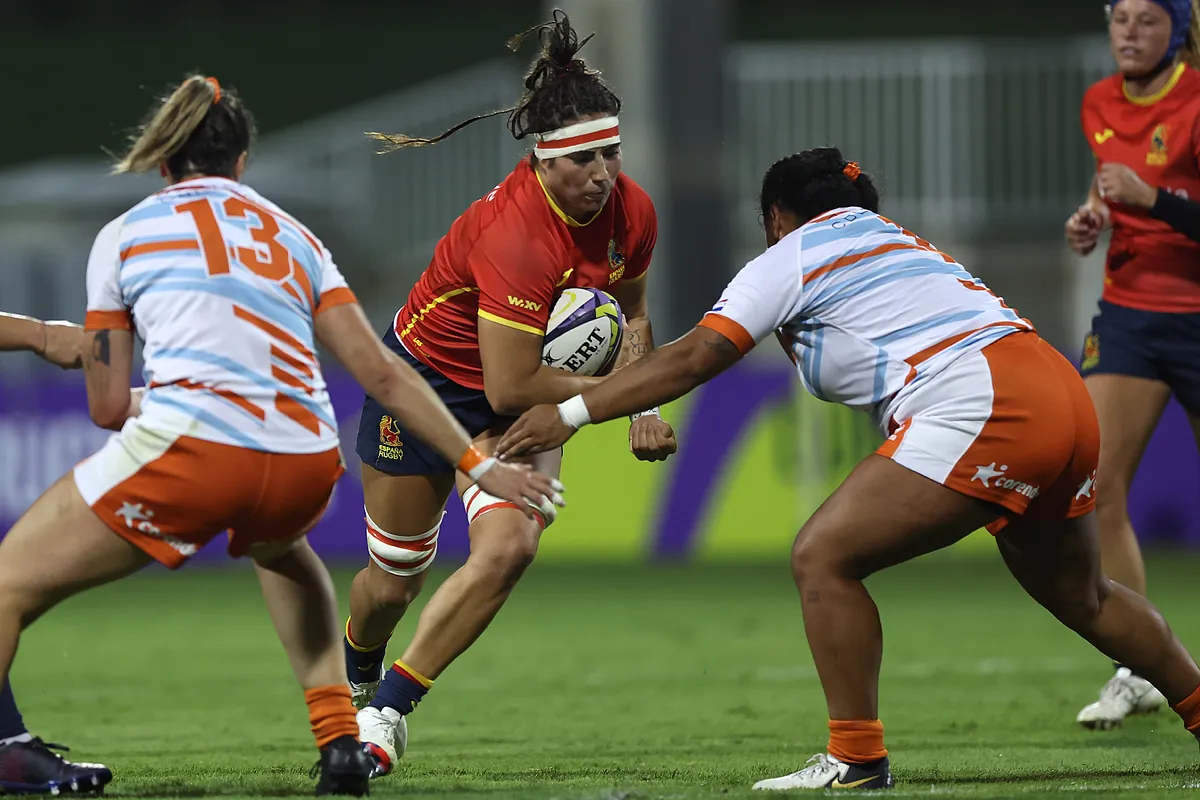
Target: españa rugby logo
390	445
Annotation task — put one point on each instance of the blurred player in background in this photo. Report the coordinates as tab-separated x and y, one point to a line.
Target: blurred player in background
1143	126
473	327
235	430
987	425
27	764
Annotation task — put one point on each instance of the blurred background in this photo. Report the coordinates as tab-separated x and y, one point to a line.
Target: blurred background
966	113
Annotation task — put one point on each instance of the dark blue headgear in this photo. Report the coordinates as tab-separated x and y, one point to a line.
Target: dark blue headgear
1180	12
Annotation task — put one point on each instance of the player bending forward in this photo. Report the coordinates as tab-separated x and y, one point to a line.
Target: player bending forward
236	431
473	327
987	426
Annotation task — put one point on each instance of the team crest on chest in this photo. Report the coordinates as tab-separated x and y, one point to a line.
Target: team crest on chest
616	262
1157	157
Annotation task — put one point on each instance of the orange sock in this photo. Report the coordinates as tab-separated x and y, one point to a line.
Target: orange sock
331	713
856	741
1189	711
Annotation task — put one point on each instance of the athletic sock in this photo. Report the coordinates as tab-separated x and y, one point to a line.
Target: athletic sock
402	688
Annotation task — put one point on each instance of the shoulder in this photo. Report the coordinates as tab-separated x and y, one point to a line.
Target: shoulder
635	201
1104	92
518	231
247	193
108	240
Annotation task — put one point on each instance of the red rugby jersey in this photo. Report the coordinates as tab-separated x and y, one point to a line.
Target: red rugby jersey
1150	266
506	259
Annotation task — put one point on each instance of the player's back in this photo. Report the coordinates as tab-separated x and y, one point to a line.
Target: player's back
882	310
223	286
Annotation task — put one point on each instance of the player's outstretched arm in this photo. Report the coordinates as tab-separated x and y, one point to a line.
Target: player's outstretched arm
60	343
107	366
396	386
514	378
664	375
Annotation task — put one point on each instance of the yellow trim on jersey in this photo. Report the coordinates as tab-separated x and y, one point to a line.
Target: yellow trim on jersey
1161	93
509	323
431	305
564	216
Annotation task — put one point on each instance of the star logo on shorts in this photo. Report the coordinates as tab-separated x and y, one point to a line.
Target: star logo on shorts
985	474
132	512
1085	488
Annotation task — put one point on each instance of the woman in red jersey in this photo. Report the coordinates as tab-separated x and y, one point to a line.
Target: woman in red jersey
473	325
1143	126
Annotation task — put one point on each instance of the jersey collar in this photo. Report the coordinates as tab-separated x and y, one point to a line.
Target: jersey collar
1161	93
564	216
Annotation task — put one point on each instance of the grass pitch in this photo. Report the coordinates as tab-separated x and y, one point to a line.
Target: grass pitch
601	683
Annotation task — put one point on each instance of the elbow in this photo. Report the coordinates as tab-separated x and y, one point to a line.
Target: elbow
109	415
505	399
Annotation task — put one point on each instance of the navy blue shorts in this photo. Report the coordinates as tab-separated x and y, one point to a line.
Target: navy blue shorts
389	448
1146	344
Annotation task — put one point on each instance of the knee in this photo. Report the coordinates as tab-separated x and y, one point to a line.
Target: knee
813	558
1080	610
506	558
394	593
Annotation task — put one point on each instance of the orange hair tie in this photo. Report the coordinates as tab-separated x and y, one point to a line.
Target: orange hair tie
216	89
852	170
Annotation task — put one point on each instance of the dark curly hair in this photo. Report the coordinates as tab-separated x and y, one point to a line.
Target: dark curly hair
810	183
559	88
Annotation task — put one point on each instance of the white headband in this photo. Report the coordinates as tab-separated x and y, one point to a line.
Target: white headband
580	136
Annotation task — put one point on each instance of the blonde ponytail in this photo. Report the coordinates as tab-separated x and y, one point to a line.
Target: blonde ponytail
1190	53
176	119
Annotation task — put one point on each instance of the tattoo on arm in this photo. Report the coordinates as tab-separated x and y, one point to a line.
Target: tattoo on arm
722	347
101	351
636	345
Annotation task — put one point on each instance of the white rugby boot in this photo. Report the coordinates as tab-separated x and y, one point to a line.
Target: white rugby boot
826	772
384	736
1124	695
361	694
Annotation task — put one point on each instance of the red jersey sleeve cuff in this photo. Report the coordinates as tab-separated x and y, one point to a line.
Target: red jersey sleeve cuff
108	321
340	296
731	330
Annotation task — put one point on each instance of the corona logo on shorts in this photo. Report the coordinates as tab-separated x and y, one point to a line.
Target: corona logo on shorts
1091	352
390	445
994	478
616	263
1157	157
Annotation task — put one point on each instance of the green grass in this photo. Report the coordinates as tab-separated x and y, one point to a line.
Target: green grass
605	683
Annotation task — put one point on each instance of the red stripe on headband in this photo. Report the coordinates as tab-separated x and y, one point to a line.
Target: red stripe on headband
575	141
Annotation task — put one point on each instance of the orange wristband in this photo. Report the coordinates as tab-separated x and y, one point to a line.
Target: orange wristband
472	459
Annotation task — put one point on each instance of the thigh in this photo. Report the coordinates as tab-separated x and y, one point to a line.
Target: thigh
1053	559
58	548
1128	410
493	521
884	514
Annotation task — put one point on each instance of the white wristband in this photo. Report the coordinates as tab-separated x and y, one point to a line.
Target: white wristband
650	412
574	412
476	472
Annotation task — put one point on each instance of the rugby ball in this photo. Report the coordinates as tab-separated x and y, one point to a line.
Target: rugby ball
584	332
